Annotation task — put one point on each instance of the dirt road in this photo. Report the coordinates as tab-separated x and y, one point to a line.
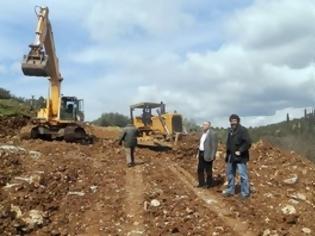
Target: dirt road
57	188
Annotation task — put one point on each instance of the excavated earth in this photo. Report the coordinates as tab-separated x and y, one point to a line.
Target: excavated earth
58	188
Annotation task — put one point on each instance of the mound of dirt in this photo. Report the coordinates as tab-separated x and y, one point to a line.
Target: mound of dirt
10	164
282	185
10	126
105	132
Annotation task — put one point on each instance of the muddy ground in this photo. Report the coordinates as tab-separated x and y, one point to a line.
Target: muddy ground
57	188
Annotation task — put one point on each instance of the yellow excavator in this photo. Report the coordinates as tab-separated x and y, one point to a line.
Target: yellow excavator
63	116
162	129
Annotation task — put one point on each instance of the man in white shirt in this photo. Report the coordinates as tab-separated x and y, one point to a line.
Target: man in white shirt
206	154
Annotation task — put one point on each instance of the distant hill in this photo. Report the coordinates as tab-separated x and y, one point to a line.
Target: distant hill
13	107
297	135
10	105
112	119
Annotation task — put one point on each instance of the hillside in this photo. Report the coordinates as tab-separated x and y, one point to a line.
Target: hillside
297	135
13	107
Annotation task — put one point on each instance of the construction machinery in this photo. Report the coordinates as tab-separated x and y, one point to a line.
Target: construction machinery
63	116
162	129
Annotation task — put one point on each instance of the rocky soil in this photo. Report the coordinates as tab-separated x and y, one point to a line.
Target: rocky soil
58	188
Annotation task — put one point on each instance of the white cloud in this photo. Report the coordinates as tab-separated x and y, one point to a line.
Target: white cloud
3	69
272	23
112	20
279	116
277	31
261	66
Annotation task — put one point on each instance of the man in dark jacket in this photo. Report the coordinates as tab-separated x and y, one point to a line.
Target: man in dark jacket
129	138
206	154
237	155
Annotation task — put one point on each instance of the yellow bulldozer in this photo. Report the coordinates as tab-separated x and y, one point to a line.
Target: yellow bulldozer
162	129
63	116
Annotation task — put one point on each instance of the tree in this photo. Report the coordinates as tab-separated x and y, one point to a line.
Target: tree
34	104
190	125
5	94
112	119
39	103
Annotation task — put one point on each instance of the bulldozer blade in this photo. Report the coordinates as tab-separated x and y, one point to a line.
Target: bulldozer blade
153	143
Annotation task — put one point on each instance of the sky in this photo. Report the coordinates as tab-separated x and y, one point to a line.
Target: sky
205	59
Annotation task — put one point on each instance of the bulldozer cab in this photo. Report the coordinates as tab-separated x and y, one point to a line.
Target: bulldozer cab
154	118
71	109
146	116
143	120
157	127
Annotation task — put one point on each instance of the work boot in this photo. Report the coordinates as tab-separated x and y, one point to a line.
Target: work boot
227	194
199	186
244	197
208	185
129	165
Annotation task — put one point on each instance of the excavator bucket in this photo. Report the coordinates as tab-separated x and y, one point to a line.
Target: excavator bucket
35	63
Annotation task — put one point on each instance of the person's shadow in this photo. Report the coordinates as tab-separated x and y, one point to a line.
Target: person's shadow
138	163
218	181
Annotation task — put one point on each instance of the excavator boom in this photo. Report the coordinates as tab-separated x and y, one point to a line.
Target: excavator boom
42	61
63	117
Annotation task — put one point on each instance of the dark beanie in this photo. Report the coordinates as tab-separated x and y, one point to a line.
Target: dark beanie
236	117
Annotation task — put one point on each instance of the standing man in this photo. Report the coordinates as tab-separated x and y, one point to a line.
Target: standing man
237	155
206	155
129	138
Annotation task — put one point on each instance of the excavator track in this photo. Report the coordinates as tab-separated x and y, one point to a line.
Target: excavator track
77	134
71	134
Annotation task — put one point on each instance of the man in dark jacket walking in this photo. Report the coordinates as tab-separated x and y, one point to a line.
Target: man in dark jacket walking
237	155
206	154
129	138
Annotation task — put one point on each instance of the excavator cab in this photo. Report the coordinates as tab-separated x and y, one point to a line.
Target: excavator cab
71	109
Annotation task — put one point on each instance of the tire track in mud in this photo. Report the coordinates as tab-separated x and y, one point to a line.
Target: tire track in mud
134	201
179	211
104	203
212	202
124	214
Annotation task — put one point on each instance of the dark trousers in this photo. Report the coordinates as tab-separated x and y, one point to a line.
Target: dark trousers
204	170
130	156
